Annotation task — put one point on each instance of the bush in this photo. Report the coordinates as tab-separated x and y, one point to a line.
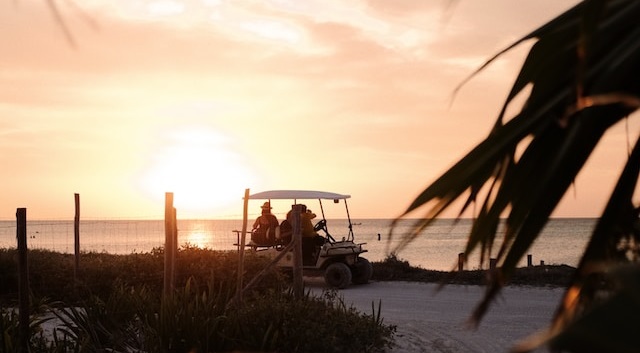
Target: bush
51	274
197	320
117	304
394	269
193	319
279	322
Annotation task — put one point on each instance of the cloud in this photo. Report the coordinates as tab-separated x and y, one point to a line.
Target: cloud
352	86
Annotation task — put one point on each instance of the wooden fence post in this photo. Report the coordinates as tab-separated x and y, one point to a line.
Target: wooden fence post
174	250
297	251
241	246
76	237
461	261
169	246
23	278
529	260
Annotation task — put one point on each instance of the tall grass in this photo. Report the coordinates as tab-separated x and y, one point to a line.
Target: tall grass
117	306
309	324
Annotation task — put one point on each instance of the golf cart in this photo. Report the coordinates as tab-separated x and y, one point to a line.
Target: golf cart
338	260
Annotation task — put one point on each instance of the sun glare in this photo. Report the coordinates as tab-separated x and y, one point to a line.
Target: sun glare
198	239
202	170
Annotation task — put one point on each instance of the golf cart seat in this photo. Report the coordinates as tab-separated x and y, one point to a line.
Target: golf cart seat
285	234
261	239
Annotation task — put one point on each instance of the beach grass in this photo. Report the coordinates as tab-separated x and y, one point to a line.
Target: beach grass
116	302
52	273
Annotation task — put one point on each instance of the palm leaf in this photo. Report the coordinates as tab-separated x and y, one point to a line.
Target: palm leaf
583	76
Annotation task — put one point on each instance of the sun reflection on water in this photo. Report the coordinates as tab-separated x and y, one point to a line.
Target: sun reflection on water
198	239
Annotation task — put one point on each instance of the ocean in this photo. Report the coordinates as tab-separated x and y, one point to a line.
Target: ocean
562	241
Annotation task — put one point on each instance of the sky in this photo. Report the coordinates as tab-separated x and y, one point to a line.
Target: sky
207	98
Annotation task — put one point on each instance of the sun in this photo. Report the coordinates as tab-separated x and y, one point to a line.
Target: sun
201	168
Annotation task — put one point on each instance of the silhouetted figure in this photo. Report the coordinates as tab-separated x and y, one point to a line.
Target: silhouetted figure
264	228
311	240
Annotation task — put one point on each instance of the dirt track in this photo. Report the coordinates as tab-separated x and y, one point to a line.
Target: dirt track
430	321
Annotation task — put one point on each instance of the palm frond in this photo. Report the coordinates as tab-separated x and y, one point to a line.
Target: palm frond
583	76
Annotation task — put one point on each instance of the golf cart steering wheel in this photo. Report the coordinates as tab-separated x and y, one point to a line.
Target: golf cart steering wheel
321	225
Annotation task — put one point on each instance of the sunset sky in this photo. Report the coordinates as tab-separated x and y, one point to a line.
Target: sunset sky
205	98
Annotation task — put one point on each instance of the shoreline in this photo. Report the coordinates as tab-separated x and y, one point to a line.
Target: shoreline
392	269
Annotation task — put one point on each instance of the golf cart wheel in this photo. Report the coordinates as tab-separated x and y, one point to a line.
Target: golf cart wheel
337	275
362	271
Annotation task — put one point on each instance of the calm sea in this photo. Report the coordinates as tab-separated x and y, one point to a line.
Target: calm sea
562	241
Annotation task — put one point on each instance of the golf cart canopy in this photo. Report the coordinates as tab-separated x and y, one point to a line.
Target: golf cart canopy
297	195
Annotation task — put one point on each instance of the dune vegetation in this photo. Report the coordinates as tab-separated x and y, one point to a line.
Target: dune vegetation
116	304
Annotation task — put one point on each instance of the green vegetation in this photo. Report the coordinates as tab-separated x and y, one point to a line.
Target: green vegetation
117	305
394	269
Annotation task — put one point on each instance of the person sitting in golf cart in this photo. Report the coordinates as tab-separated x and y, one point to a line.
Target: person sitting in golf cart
306	219
311	240
265	227
306	223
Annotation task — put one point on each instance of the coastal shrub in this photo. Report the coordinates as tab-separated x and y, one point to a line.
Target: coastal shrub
192	319
394	269
10	333
197	318
9	330
277	321
142	320
125	310
94	326
51	274
117	305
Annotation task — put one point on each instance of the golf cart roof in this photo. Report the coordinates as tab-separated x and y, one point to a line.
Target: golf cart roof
297	195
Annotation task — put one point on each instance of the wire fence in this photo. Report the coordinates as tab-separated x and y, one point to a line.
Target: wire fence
121	236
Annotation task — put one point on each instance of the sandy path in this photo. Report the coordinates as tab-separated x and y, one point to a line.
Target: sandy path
430	321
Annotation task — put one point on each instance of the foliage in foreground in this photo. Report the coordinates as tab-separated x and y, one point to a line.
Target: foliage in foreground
310	324
10	335
126	312
51	274
579	80
196	320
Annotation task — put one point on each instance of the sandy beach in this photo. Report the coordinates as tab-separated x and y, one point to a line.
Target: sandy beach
435	322
430	321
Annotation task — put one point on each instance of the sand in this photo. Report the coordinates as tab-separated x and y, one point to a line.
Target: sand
435	322
430	321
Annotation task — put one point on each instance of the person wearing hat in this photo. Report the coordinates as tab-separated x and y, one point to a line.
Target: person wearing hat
264	228
311	240
307	223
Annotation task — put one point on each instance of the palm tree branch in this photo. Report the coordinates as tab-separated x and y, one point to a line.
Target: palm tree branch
531	209
619	210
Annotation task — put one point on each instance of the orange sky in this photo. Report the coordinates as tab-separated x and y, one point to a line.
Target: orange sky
207	98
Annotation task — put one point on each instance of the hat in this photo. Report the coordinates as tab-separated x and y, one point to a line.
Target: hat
266	206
